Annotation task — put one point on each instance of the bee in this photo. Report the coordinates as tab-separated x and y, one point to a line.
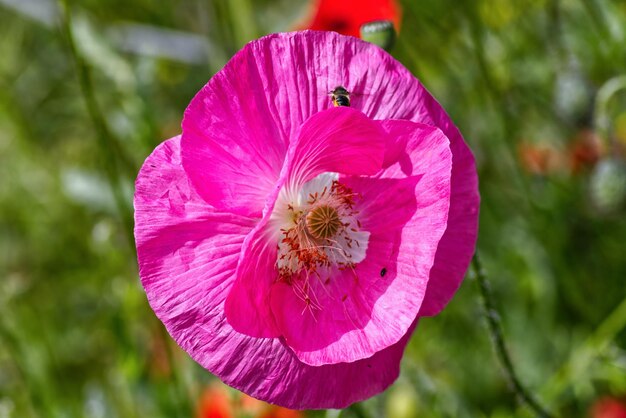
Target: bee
340	96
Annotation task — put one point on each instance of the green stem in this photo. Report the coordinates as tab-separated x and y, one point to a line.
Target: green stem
357	410
30	387
110	148
495	329
595	12
183	395
242	18
601	117
582	358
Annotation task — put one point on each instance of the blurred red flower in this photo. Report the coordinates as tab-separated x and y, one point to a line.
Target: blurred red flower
215	403
608	407
259	409
539	159
280	412
586	150
347	16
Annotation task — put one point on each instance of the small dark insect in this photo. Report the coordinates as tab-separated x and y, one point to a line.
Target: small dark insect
340	96
383	272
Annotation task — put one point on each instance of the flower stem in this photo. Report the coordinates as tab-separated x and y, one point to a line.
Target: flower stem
602	121
358	410
179	384
495	329
581	359
113	157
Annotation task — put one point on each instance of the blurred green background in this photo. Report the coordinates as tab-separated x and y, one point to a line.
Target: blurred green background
537	87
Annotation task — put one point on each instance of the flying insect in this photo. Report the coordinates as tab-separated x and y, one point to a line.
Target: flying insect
340	96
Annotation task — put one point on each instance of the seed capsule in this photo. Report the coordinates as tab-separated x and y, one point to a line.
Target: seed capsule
323	222
379	32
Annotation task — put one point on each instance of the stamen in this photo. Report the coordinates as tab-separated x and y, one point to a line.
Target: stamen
320	233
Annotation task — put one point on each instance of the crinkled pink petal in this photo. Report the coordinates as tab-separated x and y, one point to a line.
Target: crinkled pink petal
174	228
337	140
457	245
188	255
232	149
236	135
405	210
248	303
340	140
279	81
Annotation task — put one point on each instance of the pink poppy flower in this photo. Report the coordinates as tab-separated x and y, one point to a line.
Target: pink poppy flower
290	246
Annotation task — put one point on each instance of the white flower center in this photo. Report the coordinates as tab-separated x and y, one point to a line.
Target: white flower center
319	230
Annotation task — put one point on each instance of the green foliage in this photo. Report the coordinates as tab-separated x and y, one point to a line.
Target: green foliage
77	337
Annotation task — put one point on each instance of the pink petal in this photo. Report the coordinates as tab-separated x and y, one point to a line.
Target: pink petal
248	303
457	245
163	187
176	232
393	93
337	140
232	148
265	92
382	89
188	254
340	140
405	209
